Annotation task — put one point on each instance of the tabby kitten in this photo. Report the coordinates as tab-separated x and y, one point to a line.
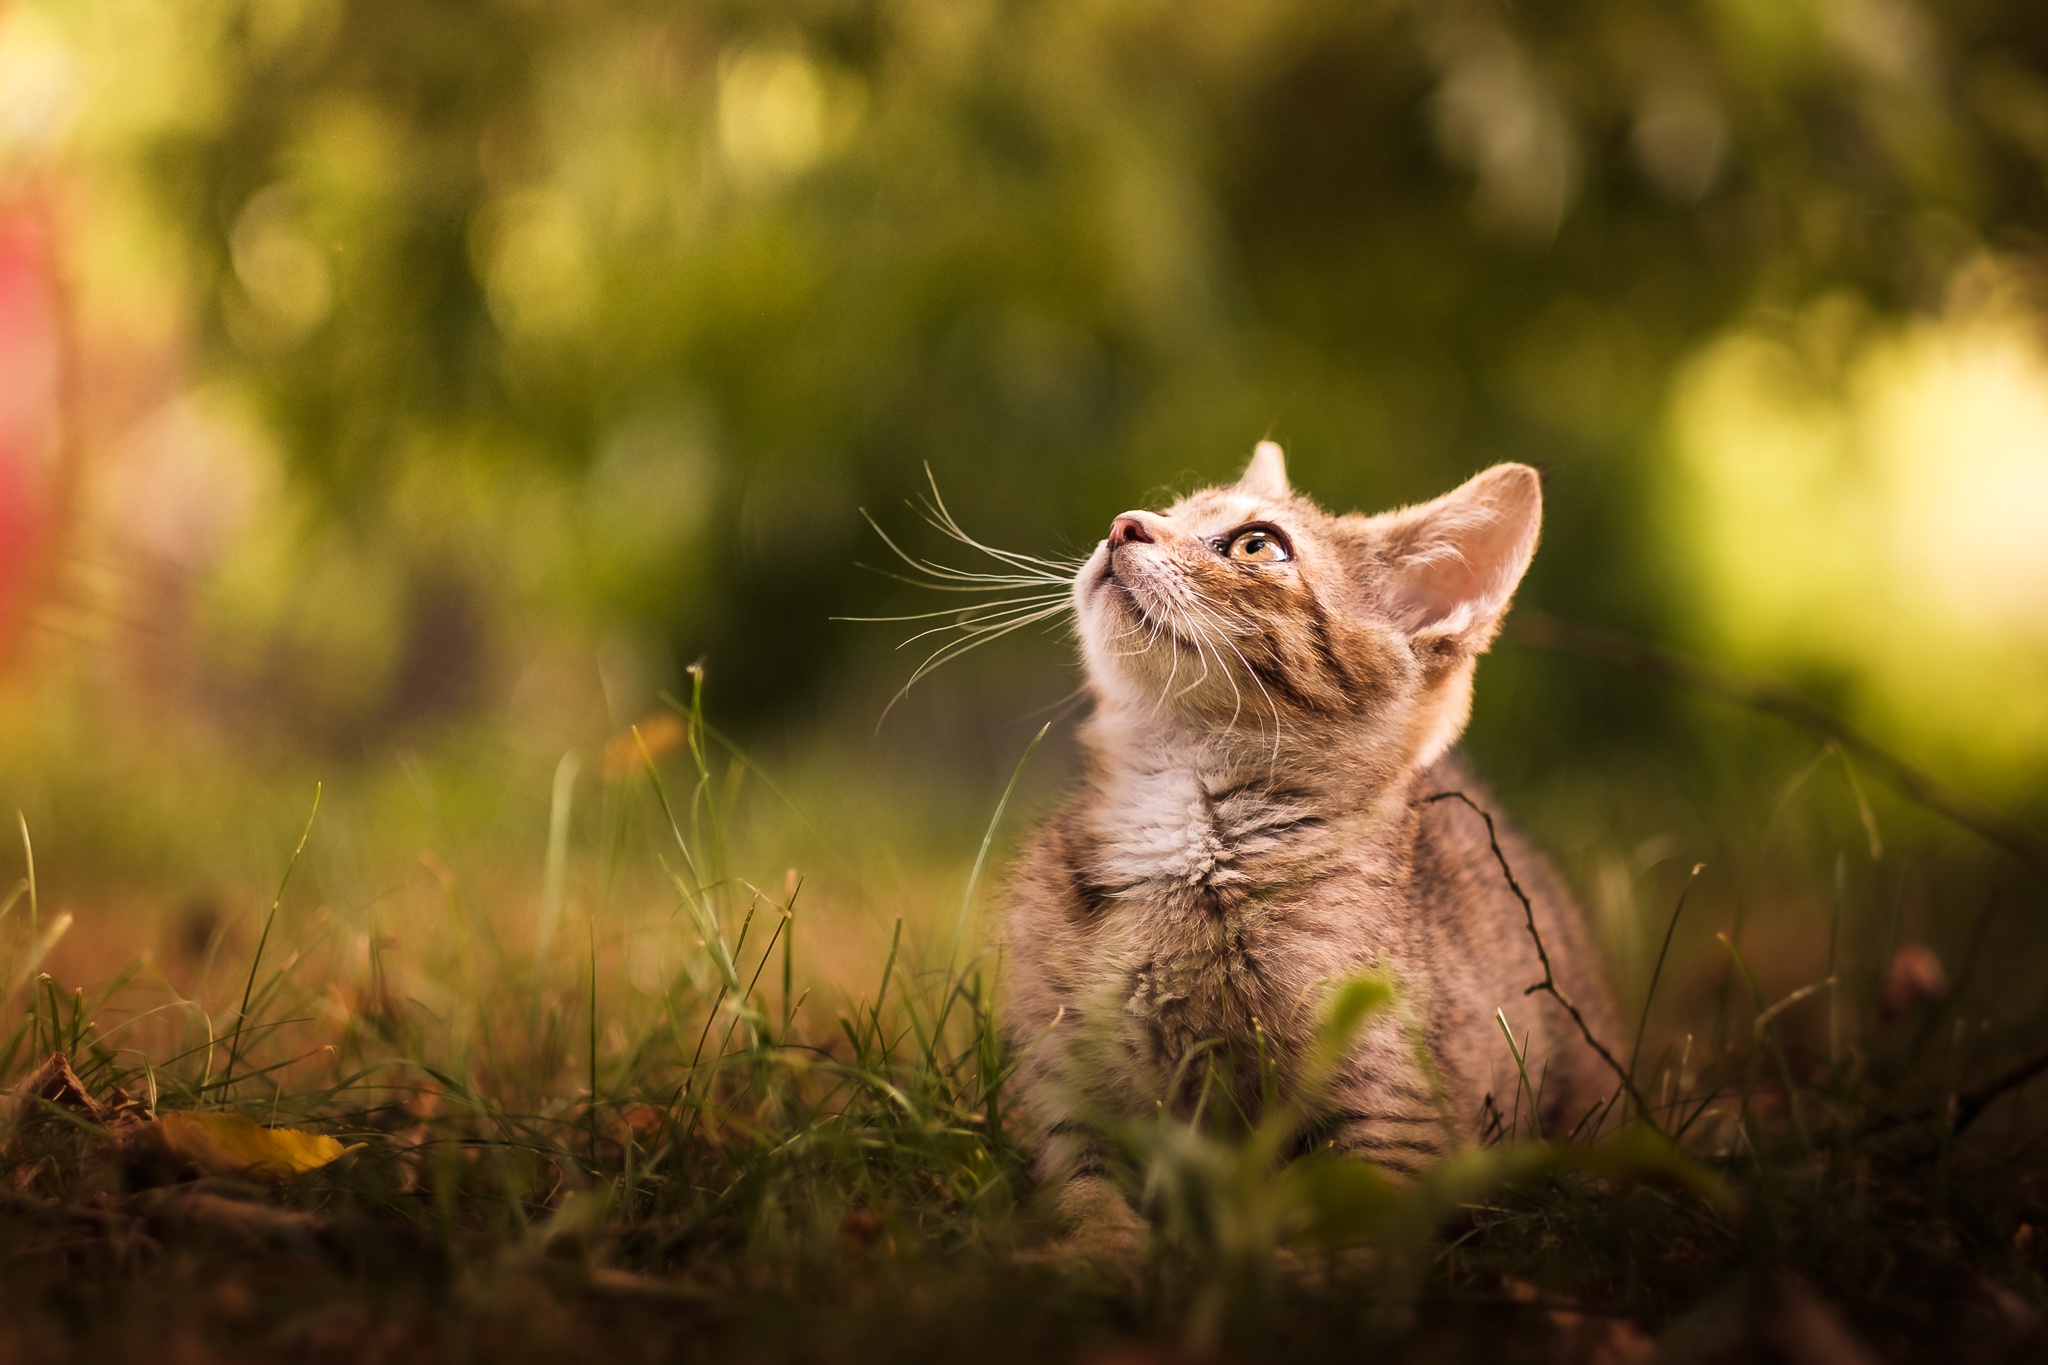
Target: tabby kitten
1276	691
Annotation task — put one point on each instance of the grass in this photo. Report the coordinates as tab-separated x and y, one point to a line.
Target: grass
680	1135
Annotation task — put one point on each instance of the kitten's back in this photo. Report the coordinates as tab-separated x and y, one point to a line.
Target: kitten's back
1484	956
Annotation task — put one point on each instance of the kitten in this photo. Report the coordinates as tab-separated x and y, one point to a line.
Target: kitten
1276	691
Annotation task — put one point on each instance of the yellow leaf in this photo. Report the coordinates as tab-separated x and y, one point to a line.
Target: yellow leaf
228	1144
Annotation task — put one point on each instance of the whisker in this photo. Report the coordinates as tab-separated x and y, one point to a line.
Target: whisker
981	624
943	571
941	517
1174	634
1209	611
1047	594
1194	633
1040	599
1173	669
953	650
1236	692
1071	700
982	583
945	654
1272	707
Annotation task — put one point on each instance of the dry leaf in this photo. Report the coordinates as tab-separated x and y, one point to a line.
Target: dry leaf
228	1144
56	1082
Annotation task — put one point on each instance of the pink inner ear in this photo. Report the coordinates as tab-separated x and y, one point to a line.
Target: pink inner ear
1458	559
1431	591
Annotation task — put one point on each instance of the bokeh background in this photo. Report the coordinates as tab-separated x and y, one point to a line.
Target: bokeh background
403	394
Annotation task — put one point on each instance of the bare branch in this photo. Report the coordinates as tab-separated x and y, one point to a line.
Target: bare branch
1774	698
1549	982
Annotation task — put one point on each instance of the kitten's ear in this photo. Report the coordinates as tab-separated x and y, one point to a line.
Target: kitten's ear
1454	563
1266	475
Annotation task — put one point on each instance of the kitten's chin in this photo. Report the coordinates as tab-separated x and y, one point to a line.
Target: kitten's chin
1125	656
1109	608
1146	681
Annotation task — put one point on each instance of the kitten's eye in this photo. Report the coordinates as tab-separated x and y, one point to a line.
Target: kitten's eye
1258	546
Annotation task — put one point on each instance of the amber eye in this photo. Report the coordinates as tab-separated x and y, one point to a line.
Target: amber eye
1259	546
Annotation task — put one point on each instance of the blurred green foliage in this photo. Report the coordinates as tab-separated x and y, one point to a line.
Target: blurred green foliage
439	350
753	265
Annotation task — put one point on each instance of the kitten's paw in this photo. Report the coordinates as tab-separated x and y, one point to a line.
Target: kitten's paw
1101	1229
1108	1259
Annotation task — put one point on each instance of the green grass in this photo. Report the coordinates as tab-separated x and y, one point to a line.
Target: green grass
648	1124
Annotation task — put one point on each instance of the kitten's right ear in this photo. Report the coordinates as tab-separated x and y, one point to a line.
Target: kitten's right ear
1454	563
1266	475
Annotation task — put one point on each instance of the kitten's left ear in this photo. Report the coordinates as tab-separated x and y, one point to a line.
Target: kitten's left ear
1266	475
1455	562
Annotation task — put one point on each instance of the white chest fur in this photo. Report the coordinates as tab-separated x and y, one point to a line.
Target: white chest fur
1179	828
1162	830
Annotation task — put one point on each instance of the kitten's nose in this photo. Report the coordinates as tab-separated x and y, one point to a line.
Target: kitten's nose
1128	530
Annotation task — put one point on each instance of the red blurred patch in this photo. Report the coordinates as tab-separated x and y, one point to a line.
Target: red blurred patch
29	372
1915	978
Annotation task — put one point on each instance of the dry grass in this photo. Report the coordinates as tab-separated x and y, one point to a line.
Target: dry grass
642	1138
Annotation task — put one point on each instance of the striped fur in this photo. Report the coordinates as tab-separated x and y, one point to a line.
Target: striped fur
1250	827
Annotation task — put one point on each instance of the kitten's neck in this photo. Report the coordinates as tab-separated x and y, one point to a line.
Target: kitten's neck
1175	813
1344	768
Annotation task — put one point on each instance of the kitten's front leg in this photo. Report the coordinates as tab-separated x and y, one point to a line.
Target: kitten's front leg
1072	1169
1392	1122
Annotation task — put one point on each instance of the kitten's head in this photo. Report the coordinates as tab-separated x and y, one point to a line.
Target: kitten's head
1249	608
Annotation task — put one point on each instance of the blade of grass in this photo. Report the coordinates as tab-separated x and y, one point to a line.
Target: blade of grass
1760	1029
988	839
28	854
556	870
270	919
1657	973
40	949
1522	1086
592	1110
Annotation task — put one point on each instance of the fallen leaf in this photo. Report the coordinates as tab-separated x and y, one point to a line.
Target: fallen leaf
229	1144
57	1083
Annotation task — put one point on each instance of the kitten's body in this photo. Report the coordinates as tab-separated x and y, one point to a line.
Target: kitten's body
1254	825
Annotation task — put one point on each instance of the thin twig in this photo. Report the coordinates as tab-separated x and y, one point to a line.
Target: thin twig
1774	698
1549	982
1972	1105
